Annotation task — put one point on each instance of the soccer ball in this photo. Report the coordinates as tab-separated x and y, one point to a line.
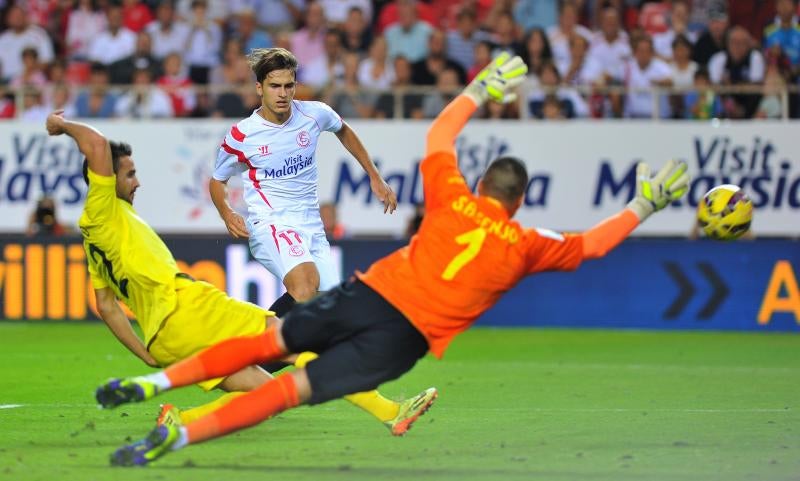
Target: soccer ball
725	212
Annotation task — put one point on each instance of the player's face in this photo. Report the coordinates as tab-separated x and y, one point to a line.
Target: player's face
127	183
277	92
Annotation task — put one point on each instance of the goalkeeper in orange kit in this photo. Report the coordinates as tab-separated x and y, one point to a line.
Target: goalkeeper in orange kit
466	254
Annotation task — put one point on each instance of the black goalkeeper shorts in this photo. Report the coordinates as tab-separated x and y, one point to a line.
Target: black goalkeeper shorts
362	340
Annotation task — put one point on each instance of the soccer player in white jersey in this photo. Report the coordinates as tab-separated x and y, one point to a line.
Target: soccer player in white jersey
274	150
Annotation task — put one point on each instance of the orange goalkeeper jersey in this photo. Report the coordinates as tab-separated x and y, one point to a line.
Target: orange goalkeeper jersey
466	254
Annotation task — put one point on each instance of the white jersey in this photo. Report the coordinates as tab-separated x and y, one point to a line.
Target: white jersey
277	163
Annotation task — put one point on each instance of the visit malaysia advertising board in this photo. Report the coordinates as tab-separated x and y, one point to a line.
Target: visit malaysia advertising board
580	172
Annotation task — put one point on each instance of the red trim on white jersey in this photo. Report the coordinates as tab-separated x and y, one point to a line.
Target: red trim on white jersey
252	173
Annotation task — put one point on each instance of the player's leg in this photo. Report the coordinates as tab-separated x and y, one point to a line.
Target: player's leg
373	402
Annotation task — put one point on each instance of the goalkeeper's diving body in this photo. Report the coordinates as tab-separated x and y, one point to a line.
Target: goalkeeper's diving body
466	254
178	315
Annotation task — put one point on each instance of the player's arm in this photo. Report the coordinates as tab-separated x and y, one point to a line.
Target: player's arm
347	136
91	142
120	325
652	195
233	221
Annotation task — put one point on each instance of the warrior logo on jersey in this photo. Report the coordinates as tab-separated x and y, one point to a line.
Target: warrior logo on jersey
264	150
303	139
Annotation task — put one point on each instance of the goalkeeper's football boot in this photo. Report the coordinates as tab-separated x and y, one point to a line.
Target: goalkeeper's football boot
410	410
158	443
121	391
169	416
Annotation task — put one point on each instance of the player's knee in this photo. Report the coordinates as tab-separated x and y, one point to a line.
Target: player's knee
303	292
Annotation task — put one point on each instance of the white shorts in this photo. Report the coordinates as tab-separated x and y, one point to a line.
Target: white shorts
282	244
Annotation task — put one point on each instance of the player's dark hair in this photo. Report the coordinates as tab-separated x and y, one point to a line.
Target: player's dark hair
118	150
262	61
506	179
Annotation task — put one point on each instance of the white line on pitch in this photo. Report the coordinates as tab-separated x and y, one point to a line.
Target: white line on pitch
10	406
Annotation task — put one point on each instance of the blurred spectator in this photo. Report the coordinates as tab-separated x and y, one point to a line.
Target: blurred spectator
683	70
683	67
143	100
376	71
678	25
483	55
135	15
427	70
738	64
571	103
347	99
203	45
771	106
334	230
274	15
498	111
33	107
167	32
560	34
43	220
415	221
7	105
446	11
552	108
18	36
204	105
702	11
409	102
337	11
356	34
505	35
752	15
177	85
61	99
582	69
327	69
96	100
390	14
85	22
653	17
702	103
784	32
610	47
409	37
530	14
308	43
217	11
115	42
712	40
536	50
39	11
57	72
32	74
233	62
248	35
121	71
645	71
461	41
447	86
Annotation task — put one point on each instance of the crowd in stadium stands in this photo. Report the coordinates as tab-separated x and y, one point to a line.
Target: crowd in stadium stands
368	59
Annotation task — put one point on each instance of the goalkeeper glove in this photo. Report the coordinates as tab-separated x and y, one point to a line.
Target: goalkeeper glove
655	193
497	80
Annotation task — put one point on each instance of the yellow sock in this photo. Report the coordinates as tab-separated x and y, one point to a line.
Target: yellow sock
371	401
190	415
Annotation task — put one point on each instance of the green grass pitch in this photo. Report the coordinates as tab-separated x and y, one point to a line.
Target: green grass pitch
514	404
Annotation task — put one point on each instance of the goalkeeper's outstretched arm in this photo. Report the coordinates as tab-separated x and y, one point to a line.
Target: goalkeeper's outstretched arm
90	141
652	194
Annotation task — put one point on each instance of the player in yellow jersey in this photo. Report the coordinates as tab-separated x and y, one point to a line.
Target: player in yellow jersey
178	316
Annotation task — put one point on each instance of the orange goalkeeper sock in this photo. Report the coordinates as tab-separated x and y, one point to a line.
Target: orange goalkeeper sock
246	410
226	358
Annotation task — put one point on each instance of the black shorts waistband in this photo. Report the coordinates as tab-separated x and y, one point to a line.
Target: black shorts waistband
183	275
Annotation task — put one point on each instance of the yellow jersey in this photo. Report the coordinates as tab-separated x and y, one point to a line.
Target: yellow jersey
125	254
